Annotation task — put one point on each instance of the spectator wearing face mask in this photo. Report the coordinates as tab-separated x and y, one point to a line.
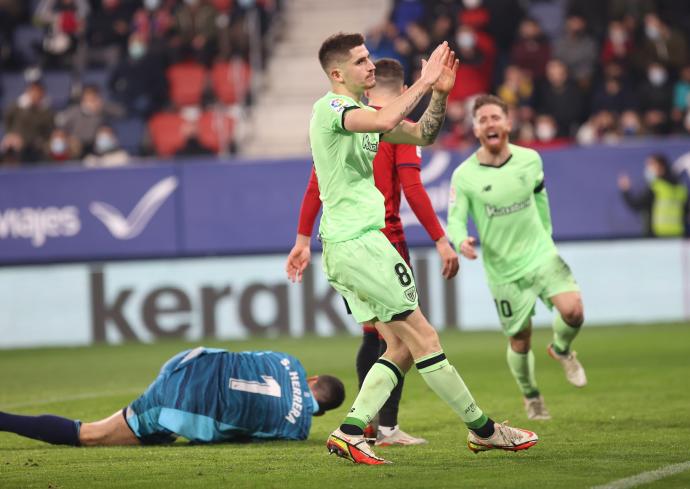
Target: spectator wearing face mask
663	203
654	99
477	53
106	150
601	127
27	125
83	120
630	124
62	147
661	44
545	135
138	82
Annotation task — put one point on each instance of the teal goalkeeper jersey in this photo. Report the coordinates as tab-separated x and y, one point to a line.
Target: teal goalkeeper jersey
510	208
352	205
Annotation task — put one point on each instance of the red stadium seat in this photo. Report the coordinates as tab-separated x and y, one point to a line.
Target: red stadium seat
216	130
165	129
187	82
230	81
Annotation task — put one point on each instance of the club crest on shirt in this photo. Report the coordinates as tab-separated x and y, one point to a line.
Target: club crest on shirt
370	145
411	294
338	105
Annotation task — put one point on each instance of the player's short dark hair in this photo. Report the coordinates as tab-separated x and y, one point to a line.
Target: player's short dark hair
488	99
329	392
389	73
337	48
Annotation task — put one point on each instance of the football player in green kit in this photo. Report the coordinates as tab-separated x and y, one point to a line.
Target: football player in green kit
358	259
502	187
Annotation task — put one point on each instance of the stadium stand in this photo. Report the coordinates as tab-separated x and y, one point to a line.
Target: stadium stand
627	65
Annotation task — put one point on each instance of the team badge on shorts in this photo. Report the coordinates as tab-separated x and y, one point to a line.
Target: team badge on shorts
411	294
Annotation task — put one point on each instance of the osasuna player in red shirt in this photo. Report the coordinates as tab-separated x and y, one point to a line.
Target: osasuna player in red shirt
396	166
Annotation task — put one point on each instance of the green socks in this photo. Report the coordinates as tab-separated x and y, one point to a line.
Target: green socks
563	335
444	380
522	367
382	378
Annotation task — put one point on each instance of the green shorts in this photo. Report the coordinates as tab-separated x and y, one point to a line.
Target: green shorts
515	300
372	277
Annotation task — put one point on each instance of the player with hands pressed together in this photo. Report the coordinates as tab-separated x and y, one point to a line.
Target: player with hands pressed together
358	259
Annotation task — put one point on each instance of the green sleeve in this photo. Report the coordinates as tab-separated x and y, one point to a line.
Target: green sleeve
542	200
458	208
330	111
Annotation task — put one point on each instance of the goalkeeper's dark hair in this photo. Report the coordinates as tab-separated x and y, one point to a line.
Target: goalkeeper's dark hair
390	74
487	99
329	392
337	48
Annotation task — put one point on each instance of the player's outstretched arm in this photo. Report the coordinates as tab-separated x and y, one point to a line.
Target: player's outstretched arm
425	131
298	259
389	117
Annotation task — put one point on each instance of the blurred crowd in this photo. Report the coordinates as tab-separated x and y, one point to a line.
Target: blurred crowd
572	71
175	73
173	76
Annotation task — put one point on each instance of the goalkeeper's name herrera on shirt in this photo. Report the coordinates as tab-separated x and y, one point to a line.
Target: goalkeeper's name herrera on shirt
296	409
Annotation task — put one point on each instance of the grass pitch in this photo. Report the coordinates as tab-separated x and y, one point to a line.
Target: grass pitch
634	416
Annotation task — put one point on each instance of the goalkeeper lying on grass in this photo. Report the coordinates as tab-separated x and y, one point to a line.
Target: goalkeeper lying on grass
205	395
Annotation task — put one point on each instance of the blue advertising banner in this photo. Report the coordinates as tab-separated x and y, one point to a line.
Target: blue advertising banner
80	214
244	207
211	207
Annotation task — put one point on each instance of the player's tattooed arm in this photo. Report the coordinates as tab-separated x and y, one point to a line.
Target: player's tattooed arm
432	120
413	103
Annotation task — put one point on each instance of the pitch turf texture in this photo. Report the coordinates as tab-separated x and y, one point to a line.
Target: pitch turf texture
633	417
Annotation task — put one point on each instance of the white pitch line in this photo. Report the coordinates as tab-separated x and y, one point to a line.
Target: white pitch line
77	397
646	477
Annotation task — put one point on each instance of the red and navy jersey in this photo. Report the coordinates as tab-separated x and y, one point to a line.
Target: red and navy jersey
396	167
387	164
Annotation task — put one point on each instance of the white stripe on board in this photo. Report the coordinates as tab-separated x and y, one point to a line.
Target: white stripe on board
77	397
646	477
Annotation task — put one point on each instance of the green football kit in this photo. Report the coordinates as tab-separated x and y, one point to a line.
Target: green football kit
358	259
509	205
363	265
